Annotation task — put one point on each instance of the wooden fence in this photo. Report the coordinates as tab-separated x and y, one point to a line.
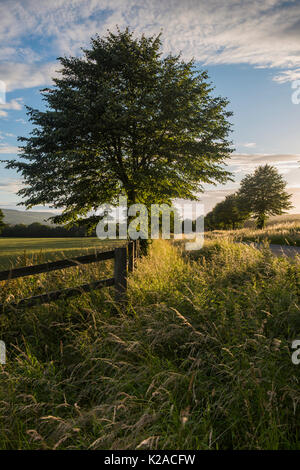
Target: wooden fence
124	258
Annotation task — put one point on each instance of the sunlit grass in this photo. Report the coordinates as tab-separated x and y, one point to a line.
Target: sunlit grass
281	234
15	252
201	359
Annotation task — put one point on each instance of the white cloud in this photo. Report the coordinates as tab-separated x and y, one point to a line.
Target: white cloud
8	149
249	144
288	76
287	165
243	159
15	105
12	185
21	75
263	33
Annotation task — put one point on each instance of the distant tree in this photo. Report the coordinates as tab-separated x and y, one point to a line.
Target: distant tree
230	213
209	222
122	119
263	194
227	214
2	224
37	230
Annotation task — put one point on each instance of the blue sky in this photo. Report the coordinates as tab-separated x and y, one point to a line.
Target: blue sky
251	50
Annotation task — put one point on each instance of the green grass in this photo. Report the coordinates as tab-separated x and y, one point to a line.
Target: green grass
280	234
24	251
201	359
275	220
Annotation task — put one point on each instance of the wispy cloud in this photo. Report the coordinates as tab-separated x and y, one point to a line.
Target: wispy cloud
263	33
15	105
11	185
8	149
287	165
22	75
244	159
288	76
249	145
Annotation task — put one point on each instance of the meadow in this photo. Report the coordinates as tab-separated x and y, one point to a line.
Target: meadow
285	233
200	359
17	252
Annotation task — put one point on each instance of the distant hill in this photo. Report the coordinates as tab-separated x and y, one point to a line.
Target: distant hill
14	217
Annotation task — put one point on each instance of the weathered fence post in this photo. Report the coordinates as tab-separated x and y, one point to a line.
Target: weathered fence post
137	249
120	273
131	256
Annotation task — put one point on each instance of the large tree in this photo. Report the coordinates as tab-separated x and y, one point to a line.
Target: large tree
123	119
263	194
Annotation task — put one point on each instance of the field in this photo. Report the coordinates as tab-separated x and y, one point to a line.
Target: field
200	359
23	251
277	219
287	233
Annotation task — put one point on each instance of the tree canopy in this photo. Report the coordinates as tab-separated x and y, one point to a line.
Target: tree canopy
123	119
263	194
227	214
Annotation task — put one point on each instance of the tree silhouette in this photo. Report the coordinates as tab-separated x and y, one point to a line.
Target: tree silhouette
263	194
227	214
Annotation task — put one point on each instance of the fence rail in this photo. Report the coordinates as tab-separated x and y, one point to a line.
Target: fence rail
124	258
55	265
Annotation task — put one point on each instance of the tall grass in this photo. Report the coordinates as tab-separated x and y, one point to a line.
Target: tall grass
201	359
281	234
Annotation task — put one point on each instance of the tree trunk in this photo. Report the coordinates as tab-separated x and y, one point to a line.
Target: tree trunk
144	244
261	221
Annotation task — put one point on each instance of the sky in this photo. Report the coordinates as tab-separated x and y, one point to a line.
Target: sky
251	50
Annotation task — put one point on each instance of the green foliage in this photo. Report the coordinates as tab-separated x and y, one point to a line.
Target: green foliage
122	119
228	214
263	194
